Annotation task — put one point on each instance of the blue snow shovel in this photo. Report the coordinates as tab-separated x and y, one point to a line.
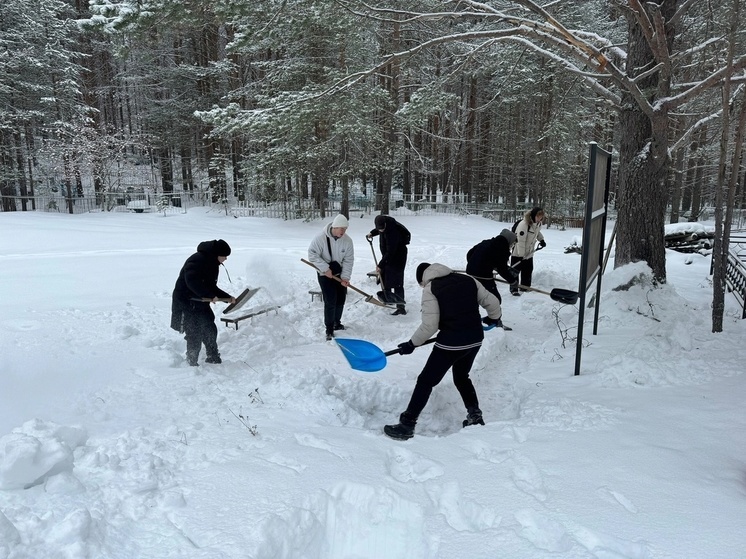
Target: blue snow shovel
365	356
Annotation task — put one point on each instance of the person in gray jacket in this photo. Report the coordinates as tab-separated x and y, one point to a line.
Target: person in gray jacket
333	253
450	306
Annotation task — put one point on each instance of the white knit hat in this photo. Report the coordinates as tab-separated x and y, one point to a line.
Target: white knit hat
340	221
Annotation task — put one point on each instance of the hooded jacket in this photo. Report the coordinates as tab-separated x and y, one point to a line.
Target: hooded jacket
392	242
342	251
450	306
528	233
197	279
490	255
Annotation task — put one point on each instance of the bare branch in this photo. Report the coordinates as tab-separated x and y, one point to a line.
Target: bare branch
681	11
713	80
704	121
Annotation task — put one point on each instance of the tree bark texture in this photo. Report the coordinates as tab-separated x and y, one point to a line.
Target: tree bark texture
642	196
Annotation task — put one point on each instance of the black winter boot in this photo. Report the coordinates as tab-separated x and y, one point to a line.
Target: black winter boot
192	358
399	311
403	430
473	417
215	359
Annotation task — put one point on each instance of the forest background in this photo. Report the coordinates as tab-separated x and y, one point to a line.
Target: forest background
486	103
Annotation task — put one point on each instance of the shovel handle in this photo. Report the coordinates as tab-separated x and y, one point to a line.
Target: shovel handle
368	297
208	300
396	351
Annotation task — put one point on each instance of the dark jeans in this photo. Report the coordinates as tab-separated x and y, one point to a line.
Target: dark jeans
437	366
526	267
392	280
199	328
335	295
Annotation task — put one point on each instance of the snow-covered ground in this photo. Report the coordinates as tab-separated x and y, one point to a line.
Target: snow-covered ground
111	447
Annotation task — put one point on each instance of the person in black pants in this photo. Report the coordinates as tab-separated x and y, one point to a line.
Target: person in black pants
394	238
450	306
333	254
527	231
191	316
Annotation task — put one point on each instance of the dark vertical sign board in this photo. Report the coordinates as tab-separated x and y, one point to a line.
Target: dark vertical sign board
594	233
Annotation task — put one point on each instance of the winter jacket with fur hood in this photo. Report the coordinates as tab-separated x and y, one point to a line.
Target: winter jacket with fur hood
528	233
450	306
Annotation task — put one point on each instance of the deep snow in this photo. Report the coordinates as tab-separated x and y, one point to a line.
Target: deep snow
111	447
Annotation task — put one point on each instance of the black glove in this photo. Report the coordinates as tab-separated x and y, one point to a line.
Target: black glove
491	321
513	276
542	243
406	348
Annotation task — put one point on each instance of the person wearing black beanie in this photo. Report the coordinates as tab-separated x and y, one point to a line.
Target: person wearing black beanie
393	241
192	316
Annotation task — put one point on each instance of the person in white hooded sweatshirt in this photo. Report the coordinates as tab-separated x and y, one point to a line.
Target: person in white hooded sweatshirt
333	253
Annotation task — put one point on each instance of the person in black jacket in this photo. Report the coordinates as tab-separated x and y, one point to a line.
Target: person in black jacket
191	316
450	306
394	238
492	255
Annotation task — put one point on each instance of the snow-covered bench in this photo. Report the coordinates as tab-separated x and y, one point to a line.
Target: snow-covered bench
139	206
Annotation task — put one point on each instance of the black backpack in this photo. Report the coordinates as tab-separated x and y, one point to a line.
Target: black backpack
515	225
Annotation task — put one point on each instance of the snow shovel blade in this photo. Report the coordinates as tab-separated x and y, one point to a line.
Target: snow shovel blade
365	356
368	297
564	296
361	355
390	298
241	300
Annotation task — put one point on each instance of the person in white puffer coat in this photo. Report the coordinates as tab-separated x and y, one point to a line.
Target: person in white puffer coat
332	252
528	232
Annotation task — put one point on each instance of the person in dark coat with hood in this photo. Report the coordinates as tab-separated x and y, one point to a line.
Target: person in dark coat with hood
492	255
191	316
393	241
450	306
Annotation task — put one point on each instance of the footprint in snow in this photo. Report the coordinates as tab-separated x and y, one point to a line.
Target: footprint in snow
285	462
527	477
462	515
542	531
306	439
404	465
484	452
606	546
614	497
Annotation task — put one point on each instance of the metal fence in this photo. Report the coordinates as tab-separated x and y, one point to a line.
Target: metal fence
287	209
106	202
735	268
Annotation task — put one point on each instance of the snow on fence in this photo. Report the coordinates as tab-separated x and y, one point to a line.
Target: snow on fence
735	268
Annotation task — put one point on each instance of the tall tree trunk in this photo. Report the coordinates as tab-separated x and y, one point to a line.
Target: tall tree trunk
677	184
187	180
166	168
21	173
699	179
642	162
722	226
